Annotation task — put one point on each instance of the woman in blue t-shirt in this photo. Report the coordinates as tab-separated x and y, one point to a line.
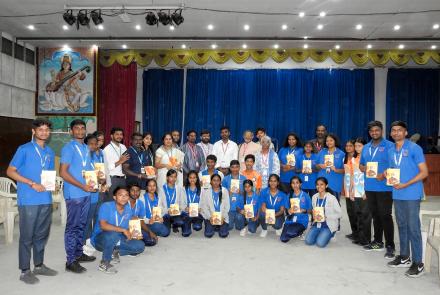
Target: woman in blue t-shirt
193	191
290	156
250	197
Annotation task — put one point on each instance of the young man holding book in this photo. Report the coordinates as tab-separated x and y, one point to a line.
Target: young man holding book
74	164
111	234
374	161
32	167
407	162
205	175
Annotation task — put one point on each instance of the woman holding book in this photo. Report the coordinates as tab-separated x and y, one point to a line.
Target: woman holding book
172	201
153	216
290	156
214	205
300	206
193	191
308	172
273	204
326	215
251	207
168	157
331	164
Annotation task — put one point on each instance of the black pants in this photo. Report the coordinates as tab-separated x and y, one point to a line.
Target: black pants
363	220
380	205
352	217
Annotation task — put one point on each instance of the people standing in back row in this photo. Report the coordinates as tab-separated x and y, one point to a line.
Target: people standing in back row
319	140
225	150
194	158
205	144
248	147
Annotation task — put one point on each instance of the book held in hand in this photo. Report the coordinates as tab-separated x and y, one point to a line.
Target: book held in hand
294	204
150	171
235	186
206	180
174	209
371	170
216	218
393	176
193	209
270	216
329	160
249	211
48	180
134	226
157	213
291	161
318	214
174	161
307	167
100	170
91	178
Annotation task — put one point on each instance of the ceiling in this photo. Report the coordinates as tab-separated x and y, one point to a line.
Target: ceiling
377	17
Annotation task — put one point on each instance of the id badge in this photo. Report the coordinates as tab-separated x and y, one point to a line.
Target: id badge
142	170
295	218
306	178
197	164
318	225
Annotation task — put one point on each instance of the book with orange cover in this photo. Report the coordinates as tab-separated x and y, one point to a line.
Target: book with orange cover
294	204
371	170
270	216
150	171
134	226
318	214
249	211
174	209
217	218
329	160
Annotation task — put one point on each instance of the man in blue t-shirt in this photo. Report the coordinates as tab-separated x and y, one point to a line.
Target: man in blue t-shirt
30	162
379	198
406	158
75	161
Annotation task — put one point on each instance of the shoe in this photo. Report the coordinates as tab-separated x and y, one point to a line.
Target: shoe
374	246
416	270
243	232
390	253
115	256
43	270
303	237
278	232
107	268
86	258
400	261
133	255
356	242
363	243
175	229
88	248
75	267
263	233
29	278
351	237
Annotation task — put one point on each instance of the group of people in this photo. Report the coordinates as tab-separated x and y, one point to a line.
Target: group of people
137	193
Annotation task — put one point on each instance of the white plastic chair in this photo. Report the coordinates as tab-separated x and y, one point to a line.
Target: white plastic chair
433	243
425	230
10	208
58	197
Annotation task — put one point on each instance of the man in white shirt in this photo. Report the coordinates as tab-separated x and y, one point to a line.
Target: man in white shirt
225	150
206	145
114	156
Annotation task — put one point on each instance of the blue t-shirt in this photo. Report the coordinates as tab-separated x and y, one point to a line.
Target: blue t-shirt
30	159
334	179
308	180
377	154
282	155
409	156
236	200
138	210
136	162
205	172
192	196
254	200
77	156
150	204
305	203
109	213
273	202
96	158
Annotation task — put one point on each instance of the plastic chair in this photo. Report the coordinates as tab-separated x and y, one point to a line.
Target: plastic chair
10	209
58	197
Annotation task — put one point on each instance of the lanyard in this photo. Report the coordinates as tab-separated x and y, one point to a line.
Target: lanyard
273	200
374	153
300	195
251	199
290	152
141	158
150	155
83	159
322	203
42	161
193	150
265	159
216	202
170	199
225	150
120	150
135	207
397	162
118	223
206	151
190	193
168	154
149	203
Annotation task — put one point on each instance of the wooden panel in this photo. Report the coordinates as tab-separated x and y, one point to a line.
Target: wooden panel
432	184
13	133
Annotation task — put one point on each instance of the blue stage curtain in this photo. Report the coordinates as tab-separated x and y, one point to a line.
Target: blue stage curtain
281	101
162	101
413	96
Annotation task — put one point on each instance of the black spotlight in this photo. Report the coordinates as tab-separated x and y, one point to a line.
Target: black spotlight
151	19
96	17
82	18
177	17
69	18
164	18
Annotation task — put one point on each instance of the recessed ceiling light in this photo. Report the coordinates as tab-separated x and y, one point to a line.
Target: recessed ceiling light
244	46
320	27
401	46
436	26
100	27
183	46
276	46
369	46
65	27
66	47
358	27
31	27
124	46
172	28
305	46
284	27
337	46
210	27
322	14
138	27
246	27
306	37
302	14
214	46
396	27
433	47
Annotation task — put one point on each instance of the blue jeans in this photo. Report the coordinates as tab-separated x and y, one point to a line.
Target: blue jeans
223	230
279	221
253	225
106	242
34	223
290	231
408	222
160	229
77	211
319	236
187	221
237	220
148	240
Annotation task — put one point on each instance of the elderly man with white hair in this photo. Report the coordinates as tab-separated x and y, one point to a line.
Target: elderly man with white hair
267	161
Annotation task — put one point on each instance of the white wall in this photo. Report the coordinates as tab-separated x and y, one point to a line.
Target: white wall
17	87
